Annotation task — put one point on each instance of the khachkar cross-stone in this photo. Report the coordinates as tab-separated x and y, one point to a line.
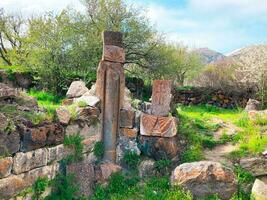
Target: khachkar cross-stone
110	86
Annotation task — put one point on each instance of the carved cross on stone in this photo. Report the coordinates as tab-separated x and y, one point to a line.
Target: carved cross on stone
110	86
161	97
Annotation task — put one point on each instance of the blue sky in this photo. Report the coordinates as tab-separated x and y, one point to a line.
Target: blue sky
222	25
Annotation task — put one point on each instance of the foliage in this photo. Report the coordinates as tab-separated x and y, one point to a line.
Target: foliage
74	142
162	166
64	187
243	177
191	154
131	159
98	149
12	49
39	187
119	188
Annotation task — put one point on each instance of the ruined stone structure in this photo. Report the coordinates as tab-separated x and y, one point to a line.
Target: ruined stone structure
157	129
110	88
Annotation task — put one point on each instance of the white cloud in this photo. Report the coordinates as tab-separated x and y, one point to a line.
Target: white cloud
236	7
29	7
169	19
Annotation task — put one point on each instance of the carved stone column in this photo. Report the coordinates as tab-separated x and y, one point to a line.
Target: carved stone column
110	89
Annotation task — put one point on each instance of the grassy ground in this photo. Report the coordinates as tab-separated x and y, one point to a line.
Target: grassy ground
198	124
46	100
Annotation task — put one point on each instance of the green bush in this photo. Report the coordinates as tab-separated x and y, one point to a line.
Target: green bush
74	142
131	159
39	187
64	187
98	149
162	166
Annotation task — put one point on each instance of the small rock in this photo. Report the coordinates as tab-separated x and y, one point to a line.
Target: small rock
63	115
259	190
257	166
77	89
5	166
205	178
106	169
88	100
253	104
146	168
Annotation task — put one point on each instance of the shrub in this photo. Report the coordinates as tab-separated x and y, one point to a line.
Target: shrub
131	159
75	143
98	149
162	166
39	187
193	153
64	187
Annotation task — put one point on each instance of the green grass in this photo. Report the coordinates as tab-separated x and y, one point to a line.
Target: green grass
46	100
198	123
123	187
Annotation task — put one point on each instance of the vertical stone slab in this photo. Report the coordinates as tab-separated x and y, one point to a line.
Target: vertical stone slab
110	89
161	97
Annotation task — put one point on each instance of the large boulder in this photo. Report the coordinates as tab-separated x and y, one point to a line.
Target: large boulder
89	100
259	190
205	178
77	89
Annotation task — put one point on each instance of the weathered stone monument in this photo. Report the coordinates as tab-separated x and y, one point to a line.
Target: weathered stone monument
158	129
110	88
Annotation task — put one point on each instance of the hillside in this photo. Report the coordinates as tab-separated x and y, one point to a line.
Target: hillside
209	56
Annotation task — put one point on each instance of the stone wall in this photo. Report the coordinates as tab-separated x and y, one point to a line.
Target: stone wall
29	151
16	79
219	98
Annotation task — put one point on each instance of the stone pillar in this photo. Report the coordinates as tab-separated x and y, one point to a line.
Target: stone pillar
110	89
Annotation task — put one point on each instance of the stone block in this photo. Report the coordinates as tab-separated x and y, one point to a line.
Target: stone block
127	118
9	143
5	166
38	137
88	100
63	115
128	132
159	148
77	89
14	184
113	54
73	129
24	162
84	175
88	143
112	38
158	126
161	97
